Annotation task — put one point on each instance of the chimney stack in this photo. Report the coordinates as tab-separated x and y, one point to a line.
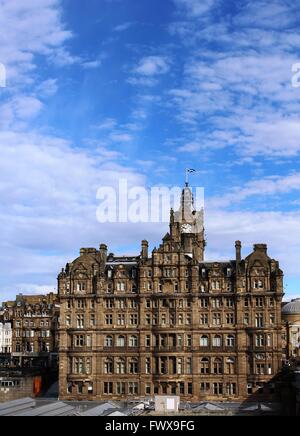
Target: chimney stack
103	253
145	248
238	251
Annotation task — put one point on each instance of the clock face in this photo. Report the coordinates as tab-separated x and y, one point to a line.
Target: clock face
186	228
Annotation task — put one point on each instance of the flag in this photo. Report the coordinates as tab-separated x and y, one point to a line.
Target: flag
190	170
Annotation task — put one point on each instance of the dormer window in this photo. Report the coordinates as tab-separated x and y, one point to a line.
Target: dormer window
80	287
258	284
121	287
109	273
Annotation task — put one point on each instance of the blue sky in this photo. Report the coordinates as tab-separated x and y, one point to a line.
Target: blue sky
143	89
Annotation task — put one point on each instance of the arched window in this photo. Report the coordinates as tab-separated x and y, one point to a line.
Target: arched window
230	365
133	341
218	366
204	341
109	341
108	366
121	366
121	341
217	341
230	341
204	366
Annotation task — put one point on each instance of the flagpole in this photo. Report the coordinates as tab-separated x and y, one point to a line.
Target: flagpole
187	177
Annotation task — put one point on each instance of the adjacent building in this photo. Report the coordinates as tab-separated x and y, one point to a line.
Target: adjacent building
291	329
5	338
170	322
33	320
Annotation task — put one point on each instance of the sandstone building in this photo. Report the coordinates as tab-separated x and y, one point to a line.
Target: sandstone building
34	322
5	338
291	329
170	322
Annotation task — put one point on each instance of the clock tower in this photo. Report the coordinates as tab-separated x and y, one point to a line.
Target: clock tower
187	226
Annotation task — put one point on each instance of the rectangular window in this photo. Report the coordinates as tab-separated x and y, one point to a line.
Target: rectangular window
260	340
108	388
259	302
260	369
230	318
80	304
80	321
231	389
121	320
204	303
216	303
246	319
108	319
259	320
109	304
189	366
133	388
204	387
148	365
79	341
218	388
229	302
121	388
134	319
216	319
204	319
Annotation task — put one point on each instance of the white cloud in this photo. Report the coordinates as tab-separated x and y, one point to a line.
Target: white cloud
106	124
195	8
267	186
121	137
91	65
47	88
48	205
280	230
152	66
124	26
18	110
148	70
30	28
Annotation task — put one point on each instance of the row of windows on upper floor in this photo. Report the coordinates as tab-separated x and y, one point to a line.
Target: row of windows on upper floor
217	389
33	333
177	341
26	323
257	320
134	389
21	314
149	286
158	366
30	347
206	303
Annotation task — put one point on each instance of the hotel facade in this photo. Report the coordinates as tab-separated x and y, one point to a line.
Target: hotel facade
169	322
